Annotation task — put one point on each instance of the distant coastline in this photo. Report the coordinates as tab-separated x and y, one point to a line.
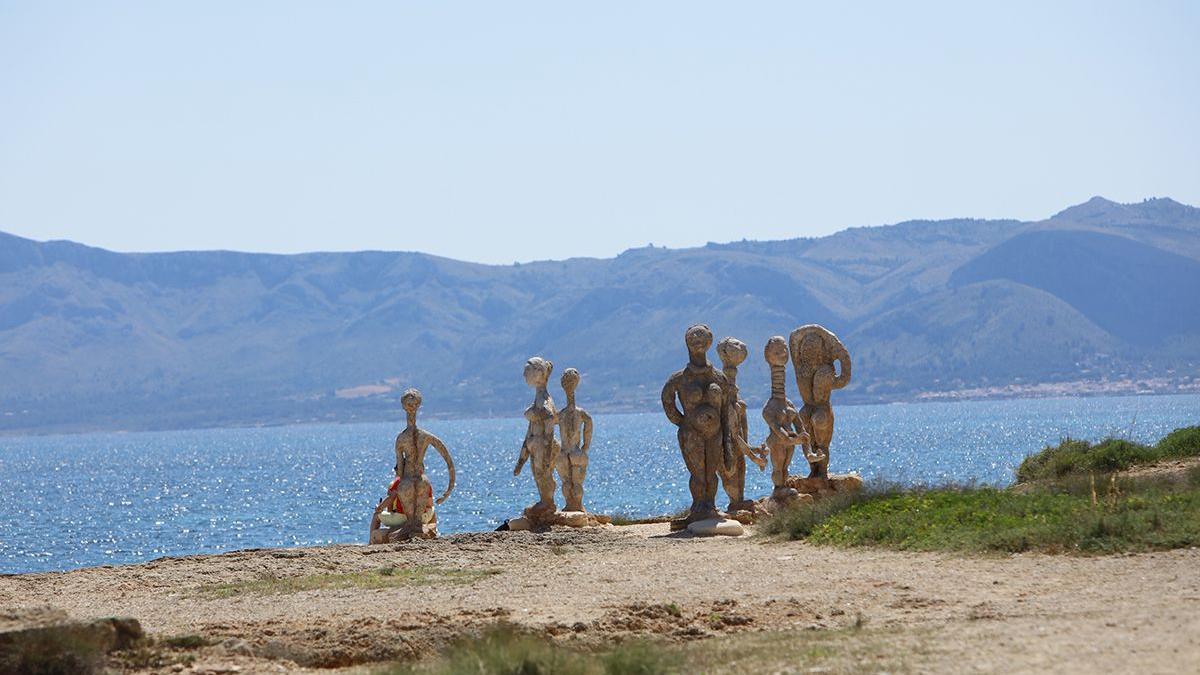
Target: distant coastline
1016	392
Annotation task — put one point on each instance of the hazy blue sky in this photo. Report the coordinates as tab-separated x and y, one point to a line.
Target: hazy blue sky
501	131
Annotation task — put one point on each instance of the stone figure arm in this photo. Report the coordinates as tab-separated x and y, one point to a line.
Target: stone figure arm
669	393
524	456
441	448
842	356
585	424
729	437
804	440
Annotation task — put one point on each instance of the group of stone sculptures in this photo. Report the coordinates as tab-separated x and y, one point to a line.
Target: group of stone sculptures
713	430
713	437
567	454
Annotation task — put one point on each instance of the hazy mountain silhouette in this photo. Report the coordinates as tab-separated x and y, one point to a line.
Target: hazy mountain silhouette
95	339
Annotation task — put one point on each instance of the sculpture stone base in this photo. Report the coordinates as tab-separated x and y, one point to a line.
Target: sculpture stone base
711	527
391	535
539	519
693	516
823	487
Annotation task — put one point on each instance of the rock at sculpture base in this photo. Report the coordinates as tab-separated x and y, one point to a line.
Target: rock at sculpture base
823	487
540	519
769	506
744	511
392	535
712	527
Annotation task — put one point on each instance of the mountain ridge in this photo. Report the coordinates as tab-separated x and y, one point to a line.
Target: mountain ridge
91	338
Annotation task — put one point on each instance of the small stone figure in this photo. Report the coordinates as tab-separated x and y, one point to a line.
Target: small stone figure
814	350
786	429
575	430
540	448
732	353
706	423
408	509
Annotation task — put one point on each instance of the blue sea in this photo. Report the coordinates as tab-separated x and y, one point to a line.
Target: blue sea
109	498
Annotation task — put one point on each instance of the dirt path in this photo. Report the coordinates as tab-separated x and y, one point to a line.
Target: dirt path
867	609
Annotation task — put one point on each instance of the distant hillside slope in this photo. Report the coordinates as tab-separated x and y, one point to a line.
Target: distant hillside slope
95	339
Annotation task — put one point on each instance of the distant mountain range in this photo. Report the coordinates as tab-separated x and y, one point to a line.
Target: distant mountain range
1100	297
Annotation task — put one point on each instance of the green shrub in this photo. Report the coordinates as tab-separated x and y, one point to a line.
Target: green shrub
1113	454
1183	442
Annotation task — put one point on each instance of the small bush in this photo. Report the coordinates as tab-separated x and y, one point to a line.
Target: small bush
1183	442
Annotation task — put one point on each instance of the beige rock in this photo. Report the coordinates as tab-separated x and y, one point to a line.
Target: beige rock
20	628
711	527
408	508
706	423
821	487
814	350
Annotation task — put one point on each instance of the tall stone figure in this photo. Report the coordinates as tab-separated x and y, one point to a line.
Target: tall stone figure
785	429
733	352
575	430
706	423
540	448
814	349
408	509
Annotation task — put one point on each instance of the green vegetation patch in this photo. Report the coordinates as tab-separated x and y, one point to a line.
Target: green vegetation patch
384	577
505	650
1125	515
1114	454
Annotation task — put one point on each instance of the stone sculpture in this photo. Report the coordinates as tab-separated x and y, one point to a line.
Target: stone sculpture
814	349
408	509
575	432
784	425
706	423
545	454
732	353
540	448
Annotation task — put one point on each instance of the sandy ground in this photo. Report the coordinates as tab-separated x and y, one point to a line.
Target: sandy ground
866	610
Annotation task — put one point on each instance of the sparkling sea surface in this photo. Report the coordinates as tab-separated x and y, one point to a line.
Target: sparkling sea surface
108	498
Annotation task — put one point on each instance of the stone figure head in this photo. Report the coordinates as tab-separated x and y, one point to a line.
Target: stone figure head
776	351
814	345
698	338
537	372
410	400
732	352
570	380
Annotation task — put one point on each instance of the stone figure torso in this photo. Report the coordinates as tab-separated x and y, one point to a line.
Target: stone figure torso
411	445
570	428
